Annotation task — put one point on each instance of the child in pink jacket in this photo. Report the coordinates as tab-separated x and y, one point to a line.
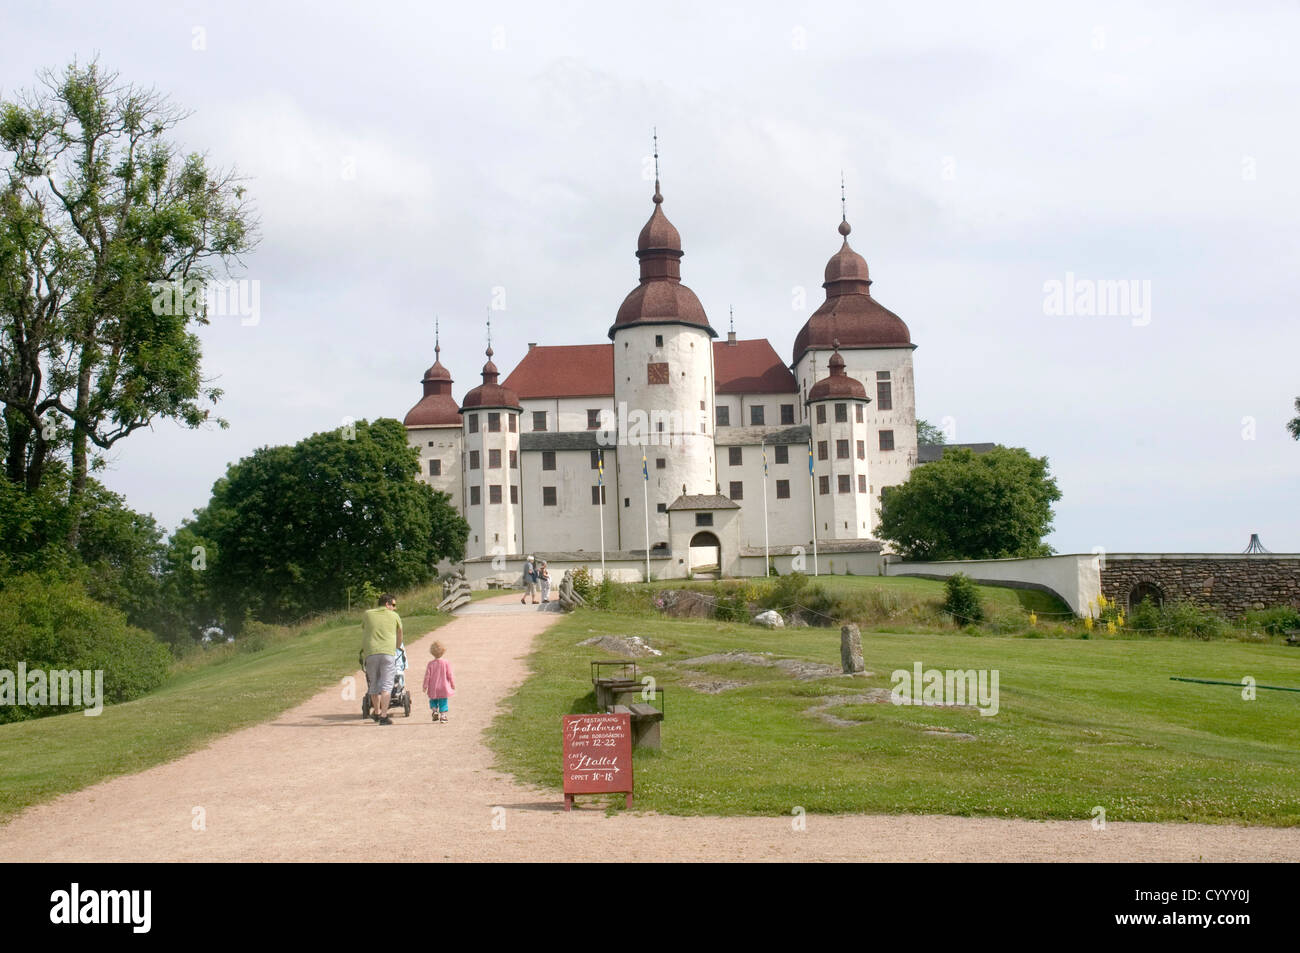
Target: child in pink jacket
439	683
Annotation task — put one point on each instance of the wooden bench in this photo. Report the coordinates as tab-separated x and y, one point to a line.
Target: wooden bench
645	724
622	693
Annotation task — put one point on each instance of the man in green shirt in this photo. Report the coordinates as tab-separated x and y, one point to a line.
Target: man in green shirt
381	636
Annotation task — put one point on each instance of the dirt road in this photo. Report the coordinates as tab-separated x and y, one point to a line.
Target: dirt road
319	783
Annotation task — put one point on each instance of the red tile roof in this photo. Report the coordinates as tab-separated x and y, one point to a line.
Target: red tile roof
587	370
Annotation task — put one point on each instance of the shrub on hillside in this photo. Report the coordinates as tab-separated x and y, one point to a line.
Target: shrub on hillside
582	583
52	624
962	600
1276	621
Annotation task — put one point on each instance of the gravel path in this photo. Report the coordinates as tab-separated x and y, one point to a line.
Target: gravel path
318	783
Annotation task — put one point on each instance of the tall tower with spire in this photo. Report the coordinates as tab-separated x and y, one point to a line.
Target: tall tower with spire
493	492
433	426
663	385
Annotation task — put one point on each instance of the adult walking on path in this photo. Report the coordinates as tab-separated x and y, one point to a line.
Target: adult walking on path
381	637
530	581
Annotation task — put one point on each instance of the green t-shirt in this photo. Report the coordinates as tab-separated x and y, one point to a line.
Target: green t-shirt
379	632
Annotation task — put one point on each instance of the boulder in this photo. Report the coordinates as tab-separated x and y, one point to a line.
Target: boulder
686	604
771	619
851	649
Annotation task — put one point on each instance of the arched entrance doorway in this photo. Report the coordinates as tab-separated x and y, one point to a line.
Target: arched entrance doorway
705	554
1145	590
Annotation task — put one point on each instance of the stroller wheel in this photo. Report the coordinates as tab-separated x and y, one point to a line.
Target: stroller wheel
406	706
365	706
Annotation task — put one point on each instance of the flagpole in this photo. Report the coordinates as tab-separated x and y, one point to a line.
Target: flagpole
812	506
645	497
600	505
767	551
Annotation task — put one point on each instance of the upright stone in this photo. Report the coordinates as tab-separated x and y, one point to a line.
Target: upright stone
851	649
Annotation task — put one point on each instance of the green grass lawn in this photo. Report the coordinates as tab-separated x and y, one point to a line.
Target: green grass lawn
45	757
1082	723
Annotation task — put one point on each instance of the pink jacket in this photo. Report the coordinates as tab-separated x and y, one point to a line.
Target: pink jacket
439	682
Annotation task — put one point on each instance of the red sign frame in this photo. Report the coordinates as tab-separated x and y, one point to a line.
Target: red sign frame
597	756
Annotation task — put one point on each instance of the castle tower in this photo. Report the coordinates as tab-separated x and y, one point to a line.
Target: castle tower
433	426
663	386
876	348
837	407
493	495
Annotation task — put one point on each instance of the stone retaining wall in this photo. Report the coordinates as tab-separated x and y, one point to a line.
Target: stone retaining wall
1232	584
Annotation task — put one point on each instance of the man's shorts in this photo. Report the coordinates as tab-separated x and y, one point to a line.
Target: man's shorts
379	673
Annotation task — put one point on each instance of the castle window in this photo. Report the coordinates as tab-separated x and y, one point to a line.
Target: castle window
862	483
703	519
627	502
661	507
548	459
724	415
756	415
846	483
821	413
514	424
787	413
737	490
514	494
548	496
473	423
884	391
735	456
783	489
823	485
598	495
494	422
841	413
862	450
661	463
858	408
435	468
886	440
823	451
473	459
514	459
494	462
841	449
593	419
595	459
474	496
782	454
494	493
539	420
659	340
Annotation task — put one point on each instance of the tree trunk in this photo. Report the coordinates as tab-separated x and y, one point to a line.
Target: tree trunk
80	452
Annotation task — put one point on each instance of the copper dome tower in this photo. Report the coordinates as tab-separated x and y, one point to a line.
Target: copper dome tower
838	385
490	393
660	298
437	408
850	317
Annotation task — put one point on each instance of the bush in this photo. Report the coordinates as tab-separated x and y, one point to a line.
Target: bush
1275	621
731	604
51	624
1189	621
582	583
1145	618
605	592
962	600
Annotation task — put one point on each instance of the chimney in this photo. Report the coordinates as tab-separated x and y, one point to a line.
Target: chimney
731	339
531	345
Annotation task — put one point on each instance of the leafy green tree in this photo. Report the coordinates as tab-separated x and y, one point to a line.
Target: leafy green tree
1293	425
289	529
968	506
98	209
928	435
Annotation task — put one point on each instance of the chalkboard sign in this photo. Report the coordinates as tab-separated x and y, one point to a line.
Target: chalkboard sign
597	756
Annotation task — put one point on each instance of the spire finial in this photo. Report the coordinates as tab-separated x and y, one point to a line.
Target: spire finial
654	134
845	227
489	335
732	312
437	342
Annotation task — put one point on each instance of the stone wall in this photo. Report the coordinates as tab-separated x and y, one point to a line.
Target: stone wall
1232	584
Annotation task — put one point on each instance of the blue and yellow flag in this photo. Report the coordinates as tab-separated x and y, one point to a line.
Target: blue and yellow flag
810	457
600	469
764	461
645	469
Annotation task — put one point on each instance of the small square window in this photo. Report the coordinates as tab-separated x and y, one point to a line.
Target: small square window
474	496
659	340
841	449
627	502
431	443
821	413
473	459
548	496
435	468
782	454
661	507
473	423
593	419
598	495
494	422
846	483
787	413
737	490
886	440
858	409
783	489
724	415
548	459
823	451
494	461
539	420
494	493
823	485
841	413
756	415
661	463
703	519
735	457
882	375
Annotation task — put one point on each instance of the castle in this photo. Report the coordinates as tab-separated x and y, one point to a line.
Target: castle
716	452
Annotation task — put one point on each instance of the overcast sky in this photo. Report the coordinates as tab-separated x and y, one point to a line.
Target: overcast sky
407	160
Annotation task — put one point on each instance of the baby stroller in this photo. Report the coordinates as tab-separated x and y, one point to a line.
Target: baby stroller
399	697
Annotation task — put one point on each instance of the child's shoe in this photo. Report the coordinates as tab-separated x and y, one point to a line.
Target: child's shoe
443	718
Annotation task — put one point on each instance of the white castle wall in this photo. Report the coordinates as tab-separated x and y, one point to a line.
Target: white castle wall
563	414
788	521
573	523
444	444
494	527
